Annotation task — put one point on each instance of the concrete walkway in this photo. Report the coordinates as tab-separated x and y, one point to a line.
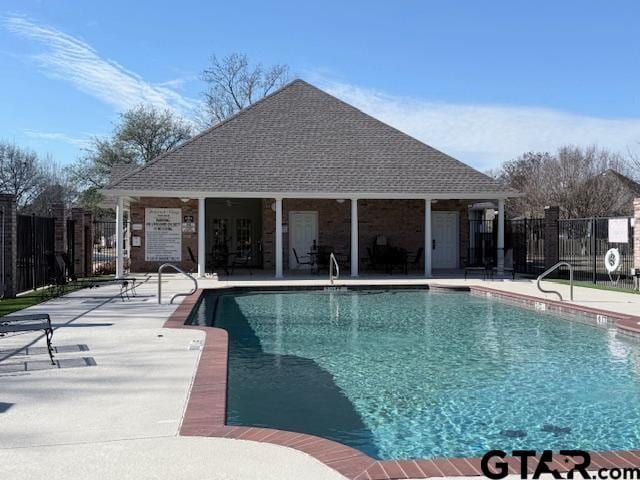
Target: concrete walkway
118	418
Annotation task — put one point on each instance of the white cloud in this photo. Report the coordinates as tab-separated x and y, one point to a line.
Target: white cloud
60	137
70	59
486	135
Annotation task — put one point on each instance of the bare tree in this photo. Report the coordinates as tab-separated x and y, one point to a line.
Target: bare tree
19	172
233	84
583	182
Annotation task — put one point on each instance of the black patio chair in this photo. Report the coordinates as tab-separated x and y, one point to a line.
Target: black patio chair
415	263
299	262
242	260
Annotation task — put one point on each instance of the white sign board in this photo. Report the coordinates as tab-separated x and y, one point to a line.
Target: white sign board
618	230
163	234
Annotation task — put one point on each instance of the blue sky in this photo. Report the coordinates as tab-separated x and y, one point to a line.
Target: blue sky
482	80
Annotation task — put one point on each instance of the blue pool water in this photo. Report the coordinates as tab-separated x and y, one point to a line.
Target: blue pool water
418	374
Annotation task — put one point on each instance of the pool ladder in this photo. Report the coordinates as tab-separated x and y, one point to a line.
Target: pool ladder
555	267
177	269
333	262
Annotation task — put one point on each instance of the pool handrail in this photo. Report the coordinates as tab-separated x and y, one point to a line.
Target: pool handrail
332	262
177	269
548	271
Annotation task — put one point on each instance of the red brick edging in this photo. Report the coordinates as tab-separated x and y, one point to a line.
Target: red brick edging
205	414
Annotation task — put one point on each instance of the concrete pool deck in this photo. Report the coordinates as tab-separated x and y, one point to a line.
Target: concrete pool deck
120	417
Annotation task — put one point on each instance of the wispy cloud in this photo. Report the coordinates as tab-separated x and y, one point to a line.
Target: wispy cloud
70	59
487	135
82	142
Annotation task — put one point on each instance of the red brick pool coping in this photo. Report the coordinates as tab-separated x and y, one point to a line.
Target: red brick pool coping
205	414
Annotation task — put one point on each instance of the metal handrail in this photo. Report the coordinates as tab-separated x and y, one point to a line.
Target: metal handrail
177	269
332	262
547	272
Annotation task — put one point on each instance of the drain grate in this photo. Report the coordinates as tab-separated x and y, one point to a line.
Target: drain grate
32	366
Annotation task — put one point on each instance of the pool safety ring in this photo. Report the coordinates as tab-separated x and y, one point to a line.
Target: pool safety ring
612	260
612	263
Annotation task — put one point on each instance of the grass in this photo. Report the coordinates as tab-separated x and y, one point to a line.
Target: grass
10	305
591	285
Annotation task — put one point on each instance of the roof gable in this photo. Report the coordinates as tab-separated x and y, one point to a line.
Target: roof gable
300	139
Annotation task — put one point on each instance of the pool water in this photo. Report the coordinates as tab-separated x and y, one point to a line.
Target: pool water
417	374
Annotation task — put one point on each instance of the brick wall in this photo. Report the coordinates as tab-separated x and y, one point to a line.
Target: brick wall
401	221
189	240
9	212
79	252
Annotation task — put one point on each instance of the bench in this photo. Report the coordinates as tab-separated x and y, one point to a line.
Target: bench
29	323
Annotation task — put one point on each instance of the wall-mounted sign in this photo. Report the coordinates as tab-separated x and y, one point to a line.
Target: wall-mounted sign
136	226
163	234
618	230
136	241
188	225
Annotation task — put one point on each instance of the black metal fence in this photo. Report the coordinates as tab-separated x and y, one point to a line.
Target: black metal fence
35	262
583	242
103	251
524	245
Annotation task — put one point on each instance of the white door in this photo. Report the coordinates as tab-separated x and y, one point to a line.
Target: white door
444	231
303	232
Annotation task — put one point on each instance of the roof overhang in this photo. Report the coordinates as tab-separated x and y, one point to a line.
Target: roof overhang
318	195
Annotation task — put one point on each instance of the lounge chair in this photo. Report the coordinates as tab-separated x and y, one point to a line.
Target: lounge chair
300	263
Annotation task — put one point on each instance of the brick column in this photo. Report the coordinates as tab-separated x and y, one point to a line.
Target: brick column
59	215
551	254
88	247
636	234
8	245
77	215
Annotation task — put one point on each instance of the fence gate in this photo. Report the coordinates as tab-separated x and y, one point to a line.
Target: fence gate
524	241
583	243
103	251
35	260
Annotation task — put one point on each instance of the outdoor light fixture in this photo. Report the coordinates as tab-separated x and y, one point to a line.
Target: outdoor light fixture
185	200
340	200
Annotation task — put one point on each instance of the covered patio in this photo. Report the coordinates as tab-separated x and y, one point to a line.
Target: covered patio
292	178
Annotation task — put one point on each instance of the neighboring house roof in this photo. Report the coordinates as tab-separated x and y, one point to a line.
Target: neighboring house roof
629	185
301	140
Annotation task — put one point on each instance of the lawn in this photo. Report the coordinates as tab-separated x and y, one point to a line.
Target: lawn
591	285
10	305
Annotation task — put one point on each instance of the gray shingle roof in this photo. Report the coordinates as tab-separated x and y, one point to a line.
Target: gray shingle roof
301	139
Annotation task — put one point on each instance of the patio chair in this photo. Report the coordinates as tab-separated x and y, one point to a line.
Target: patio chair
415	263
242	260
300	263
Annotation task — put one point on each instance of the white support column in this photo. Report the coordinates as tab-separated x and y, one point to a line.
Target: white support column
500	237
201	237
354	237
427	238
120	238
278	240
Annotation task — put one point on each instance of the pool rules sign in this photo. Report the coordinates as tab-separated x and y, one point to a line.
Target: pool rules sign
163	234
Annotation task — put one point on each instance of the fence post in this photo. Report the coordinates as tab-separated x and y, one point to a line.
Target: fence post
594	250
551	232
59	228
8	246
636	237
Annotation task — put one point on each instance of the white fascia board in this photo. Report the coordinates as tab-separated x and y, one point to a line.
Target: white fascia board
323	195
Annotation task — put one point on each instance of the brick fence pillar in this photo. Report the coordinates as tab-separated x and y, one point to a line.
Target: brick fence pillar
8	245
551	254
88	239
59	215
636	234
77	215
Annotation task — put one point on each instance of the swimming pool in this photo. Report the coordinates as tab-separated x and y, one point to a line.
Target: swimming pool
418	374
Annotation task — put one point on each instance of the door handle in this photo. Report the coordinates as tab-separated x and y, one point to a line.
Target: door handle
433	246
